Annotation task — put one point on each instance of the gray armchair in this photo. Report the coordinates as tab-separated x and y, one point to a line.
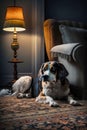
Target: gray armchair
66	42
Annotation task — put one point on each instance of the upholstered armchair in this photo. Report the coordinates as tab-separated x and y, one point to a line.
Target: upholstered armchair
66	42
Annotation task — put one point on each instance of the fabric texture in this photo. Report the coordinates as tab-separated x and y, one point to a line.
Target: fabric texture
52	34
69	51
73	34
26	114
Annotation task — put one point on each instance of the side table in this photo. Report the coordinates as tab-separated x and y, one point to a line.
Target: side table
15	61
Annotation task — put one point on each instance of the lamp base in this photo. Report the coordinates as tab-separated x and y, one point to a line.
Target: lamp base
15	61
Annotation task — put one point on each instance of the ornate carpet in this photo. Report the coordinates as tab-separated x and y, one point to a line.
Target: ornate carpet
26	114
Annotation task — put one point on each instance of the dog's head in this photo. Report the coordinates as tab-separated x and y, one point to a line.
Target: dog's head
52	71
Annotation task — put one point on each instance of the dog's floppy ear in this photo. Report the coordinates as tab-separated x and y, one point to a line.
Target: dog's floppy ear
40	72
62	72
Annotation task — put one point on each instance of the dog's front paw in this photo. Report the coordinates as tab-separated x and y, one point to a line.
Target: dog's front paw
37	99
75	103
20	95
53	104
40	99
27	95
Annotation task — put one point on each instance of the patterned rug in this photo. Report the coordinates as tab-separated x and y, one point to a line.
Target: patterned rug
26	114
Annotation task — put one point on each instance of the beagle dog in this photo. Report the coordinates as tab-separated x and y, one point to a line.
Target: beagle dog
54	84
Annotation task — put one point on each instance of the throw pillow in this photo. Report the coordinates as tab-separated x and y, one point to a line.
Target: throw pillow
73	34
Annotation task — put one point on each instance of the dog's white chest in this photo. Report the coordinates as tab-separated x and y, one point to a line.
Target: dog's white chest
55	90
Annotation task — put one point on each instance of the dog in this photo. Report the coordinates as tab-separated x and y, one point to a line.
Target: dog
54	84
20	88
22	85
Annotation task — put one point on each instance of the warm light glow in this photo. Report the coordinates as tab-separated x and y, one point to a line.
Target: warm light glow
14	19
14	13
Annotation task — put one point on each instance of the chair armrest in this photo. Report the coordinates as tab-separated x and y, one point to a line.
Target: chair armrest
70	51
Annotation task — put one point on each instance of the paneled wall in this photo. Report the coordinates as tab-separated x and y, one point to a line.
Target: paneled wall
31	41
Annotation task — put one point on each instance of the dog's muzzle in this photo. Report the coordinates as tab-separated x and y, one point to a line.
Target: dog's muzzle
49	76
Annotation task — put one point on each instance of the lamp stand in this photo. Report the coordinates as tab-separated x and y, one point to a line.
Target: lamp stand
15	47
15	44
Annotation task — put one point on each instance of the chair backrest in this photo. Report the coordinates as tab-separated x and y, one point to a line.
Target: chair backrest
52	34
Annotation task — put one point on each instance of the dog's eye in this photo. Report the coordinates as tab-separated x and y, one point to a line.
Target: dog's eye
46	68
53	69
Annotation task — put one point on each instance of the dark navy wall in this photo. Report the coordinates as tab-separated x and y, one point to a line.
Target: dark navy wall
31	41
66	10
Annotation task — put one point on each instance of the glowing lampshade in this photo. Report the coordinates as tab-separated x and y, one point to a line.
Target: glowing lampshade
14	19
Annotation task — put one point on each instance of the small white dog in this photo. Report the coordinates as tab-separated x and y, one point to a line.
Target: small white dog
21	86
54	83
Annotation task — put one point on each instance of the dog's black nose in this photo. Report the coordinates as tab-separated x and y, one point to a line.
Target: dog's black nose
45	77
